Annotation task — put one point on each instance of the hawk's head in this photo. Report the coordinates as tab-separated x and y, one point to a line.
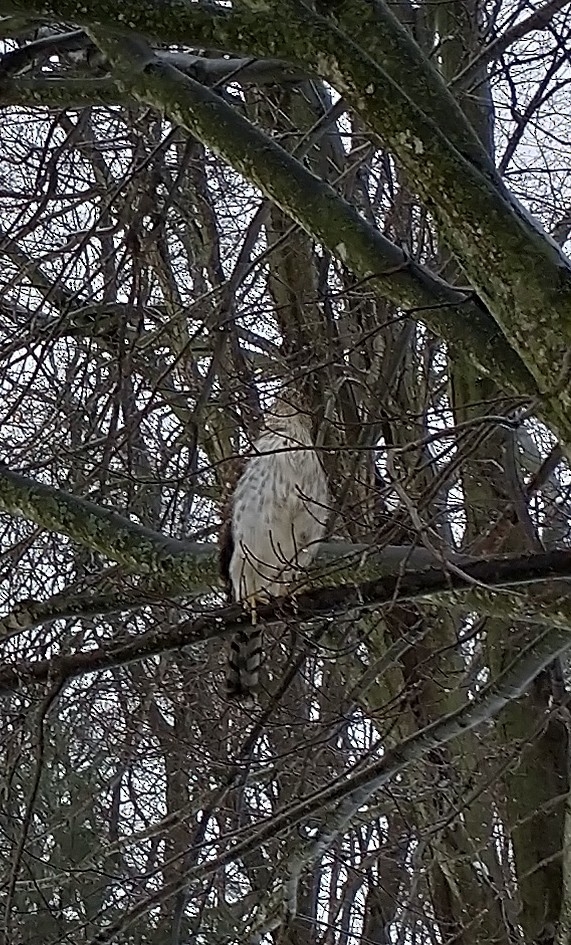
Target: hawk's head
289	413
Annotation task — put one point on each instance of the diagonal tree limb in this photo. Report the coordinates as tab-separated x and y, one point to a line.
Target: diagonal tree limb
139	549
316	207
517	270
174	567
452	313
378	33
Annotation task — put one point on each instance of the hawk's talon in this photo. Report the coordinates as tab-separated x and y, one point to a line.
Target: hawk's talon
250	605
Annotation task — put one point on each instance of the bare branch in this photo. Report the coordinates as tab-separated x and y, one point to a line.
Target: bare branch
102	598
352	793
540	19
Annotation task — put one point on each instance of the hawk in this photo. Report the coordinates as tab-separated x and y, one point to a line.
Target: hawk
275	518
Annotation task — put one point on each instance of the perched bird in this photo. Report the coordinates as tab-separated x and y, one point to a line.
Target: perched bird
275	517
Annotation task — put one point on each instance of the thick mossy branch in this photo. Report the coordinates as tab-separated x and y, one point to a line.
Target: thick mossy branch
373	26
171	563
453	314
458	317
522	275
62	93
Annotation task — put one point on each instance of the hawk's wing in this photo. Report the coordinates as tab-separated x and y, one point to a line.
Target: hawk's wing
232	470
245	646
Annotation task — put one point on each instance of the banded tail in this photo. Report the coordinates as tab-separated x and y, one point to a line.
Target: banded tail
244	657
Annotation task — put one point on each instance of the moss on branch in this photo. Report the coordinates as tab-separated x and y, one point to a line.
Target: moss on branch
171	563
453	314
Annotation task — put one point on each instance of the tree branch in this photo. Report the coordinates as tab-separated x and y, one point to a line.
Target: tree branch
62	93
540	19
452	313
174	564
514	265
106	597
209	71
474	588
519	272
175	567
317	208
